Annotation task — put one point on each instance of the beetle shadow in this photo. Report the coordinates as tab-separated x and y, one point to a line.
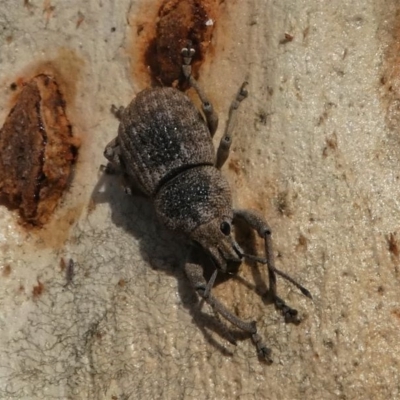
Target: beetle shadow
166	252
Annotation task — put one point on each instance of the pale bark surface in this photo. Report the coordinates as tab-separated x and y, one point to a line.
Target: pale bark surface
316	151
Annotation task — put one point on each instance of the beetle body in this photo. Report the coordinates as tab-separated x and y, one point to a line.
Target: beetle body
164	148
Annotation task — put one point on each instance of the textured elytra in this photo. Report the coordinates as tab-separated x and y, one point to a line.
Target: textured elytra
162	133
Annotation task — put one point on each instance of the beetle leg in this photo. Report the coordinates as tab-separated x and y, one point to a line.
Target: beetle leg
226	140
255	221
195	274
112	153
117	111
208	109
110	169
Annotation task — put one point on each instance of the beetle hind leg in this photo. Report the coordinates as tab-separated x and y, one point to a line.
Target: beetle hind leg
195	274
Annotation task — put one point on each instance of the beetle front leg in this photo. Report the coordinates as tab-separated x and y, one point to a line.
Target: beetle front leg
117	111
195	274
112	152
208	109
226	140
255	221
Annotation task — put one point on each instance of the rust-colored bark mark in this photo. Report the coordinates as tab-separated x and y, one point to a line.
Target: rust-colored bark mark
65	69
234	165
286	39
331	145
160	39
6	271
48	10
302	243
393	245
396	313
37	151
121	282
390	79
38	290
80	19
282	202
63	264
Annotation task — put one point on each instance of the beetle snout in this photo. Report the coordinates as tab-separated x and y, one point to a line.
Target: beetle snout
238	250
232	256
234	260
231	252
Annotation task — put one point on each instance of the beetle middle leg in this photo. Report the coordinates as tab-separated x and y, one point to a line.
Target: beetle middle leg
226	140
194	273
208	109
255	221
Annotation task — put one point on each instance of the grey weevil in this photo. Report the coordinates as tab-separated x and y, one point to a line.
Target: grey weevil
164	148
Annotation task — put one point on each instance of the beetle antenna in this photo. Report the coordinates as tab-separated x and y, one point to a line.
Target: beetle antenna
280	273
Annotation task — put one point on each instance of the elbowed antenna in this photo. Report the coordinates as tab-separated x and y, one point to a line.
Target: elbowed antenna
238	249
277	271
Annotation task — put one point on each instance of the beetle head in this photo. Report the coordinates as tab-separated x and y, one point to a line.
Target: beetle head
216	239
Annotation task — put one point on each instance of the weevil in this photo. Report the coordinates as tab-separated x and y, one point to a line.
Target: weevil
164	148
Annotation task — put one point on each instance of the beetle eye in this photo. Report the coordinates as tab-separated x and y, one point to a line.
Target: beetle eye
225	228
